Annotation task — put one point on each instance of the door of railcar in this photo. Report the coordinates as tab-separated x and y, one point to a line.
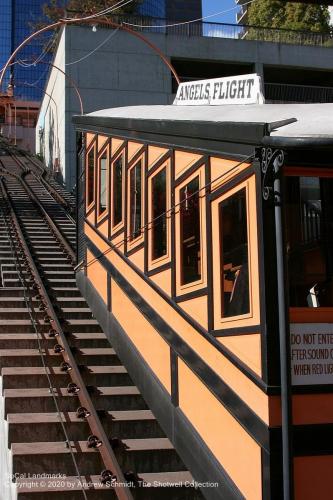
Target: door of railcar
309	253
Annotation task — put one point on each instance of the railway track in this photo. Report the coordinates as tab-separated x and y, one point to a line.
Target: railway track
75	424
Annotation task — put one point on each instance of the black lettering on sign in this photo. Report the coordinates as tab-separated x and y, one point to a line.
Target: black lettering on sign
250	84
233	89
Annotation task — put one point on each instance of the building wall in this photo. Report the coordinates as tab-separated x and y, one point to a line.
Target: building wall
125	71
51	123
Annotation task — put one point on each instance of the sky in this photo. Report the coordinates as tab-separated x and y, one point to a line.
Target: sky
212	6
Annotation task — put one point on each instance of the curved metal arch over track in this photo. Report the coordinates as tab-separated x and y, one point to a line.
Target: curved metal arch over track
97	20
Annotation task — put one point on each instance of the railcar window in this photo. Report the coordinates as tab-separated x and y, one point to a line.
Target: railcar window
309	241
234	255
190	232
118	168
102	182
159	207
90	175
135	201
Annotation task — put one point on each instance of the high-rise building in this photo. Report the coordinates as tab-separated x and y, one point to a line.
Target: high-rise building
18	19
174	10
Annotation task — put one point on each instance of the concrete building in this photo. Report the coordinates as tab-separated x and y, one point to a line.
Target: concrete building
125	71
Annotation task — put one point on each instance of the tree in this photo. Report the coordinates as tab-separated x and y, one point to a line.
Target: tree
288	15
55	9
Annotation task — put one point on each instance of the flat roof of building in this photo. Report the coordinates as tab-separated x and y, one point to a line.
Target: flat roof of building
249	124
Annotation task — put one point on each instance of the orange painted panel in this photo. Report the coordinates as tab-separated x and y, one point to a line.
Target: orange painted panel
163	280
97	275
101	140
247	348
311	315
138	258
91	217
307	409
253	396
115	145
236	451
197	309
183	161
89	138
133	148
313	477
104	228
149	343
154	154
227	168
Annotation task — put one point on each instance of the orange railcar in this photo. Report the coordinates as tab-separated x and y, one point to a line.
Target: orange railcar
206	253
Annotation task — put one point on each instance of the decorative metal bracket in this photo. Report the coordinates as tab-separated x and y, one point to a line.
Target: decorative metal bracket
271	161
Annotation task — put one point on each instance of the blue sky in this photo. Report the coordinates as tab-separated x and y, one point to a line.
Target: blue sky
212	6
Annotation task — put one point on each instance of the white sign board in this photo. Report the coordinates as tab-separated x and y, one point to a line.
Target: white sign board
243	89
311	351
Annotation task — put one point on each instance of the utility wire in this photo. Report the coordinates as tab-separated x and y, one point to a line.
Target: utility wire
113	33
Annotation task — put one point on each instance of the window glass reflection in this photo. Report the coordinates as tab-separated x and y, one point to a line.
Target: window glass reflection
234	255
190	232
159	207
309	240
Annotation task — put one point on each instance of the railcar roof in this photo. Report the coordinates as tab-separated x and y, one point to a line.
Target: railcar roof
243	123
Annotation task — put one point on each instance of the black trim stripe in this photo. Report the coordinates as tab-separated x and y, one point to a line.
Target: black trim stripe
174	378
224	350
191	295
237	331
193	450
190	170
159	269
245	416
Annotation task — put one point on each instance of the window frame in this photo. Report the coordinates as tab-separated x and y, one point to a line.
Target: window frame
309	314
252	318
132	244
92	147
120	153
202	282
155	263
106	148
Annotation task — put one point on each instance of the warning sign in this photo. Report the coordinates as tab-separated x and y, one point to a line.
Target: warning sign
311	351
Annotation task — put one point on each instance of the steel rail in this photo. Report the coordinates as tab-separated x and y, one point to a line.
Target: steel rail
56	231
56	195
34	320
108	456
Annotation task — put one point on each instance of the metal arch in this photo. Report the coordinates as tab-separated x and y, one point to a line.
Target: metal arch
98	20
70	79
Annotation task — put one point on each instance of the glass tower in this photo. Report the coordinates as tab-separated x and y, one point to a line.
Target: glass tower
153	8
173	10
18	19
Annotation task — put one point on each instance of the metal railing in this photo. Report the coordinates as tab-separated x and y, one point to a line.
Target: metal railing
225	30
284	92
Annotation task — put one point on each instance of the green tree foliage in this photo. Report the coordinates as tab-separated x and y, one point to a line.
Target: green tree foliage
54	9
289	15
